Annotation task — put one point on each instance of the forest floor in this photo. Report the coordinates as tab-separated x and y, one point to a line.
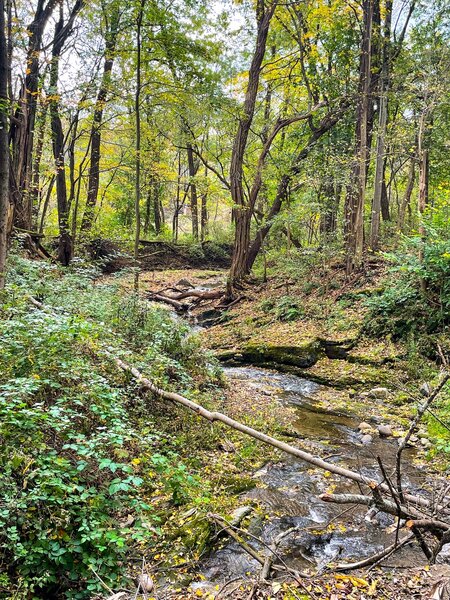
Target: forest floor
317	324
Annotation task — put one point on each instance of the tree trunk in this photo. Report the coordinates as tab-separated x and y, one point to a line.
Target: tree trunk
94	168
62	32
354	210
193	189
331	194
137	109
241	208
406	202
35	191
157	212
4	147
204	211
380	185
23	124
325	125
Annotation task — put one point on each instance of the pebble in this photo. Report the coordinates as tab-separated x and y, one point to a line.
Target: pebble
384	431
366	439
425	442
380	393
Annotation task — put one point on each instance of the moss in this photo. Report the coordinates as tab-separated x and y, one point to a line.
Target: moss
303	356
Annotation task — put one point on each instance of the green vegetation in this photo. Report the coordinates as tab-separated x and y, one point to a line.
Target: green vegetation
80	453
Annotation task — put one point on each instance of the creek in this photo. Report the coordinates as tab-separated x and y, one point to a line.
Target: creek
287	491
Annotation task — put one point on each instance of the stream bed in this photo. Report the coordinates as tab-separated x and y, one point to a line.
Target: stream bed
288	490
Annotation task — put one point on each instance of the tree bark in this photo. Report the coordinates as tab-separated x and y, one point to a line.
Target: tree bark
35	191
241	208
378	196
23	123
137	109
406	201
62	32
65	241
204	211
193	189
94	167
354	209
4	146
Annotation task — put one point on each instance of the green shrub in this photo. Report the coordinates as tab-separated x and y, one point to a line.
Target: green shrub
285	308
417	297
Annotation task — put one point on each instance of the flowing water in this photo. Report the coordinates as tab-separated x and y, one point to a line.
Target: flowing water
288	490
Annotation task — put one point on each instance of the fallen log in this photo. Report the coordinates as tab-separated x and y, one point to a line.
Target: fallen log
201	294
213	416
387	506
178	306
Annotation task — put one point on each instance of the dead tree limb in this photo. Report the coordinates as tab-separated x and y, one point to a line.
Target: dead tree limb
178	306
402	444
267	439
370	560
202	294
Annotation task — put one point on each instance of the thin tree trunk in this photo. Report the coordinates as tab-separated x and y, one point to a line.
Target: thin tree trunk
35	191
137	108
157	212
204	210
354	212
4	147
94	167
193	190
62	32
423	186
406	201
379	192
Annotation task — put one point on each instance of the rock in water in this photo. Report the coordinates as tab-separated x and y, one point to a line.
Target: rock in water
145	582
384	431
380	393
366	439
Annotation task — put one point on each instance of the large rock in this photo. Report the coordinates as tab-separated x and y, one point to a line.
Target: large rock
366	439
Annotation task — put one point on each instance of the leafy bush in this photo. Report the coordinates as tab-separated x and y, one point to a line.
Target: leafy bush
418	297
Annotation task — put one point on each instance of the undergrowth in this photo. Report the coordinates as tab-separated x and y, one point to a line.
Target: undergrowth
81	454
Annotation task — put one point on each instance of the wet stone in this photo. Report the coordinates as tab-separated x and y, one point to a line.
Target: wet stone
384	431
366	439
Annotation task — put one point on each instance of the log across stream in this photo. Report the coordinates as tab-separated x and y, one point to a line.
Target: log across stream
288	490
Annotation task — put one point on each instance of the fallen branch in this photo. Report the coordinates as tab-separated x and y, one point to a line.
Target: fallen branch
262	437
202	294
224	525
370	560
178	306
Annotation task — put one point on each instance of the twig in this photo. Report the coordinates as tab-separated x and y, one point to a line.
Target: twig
415	421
